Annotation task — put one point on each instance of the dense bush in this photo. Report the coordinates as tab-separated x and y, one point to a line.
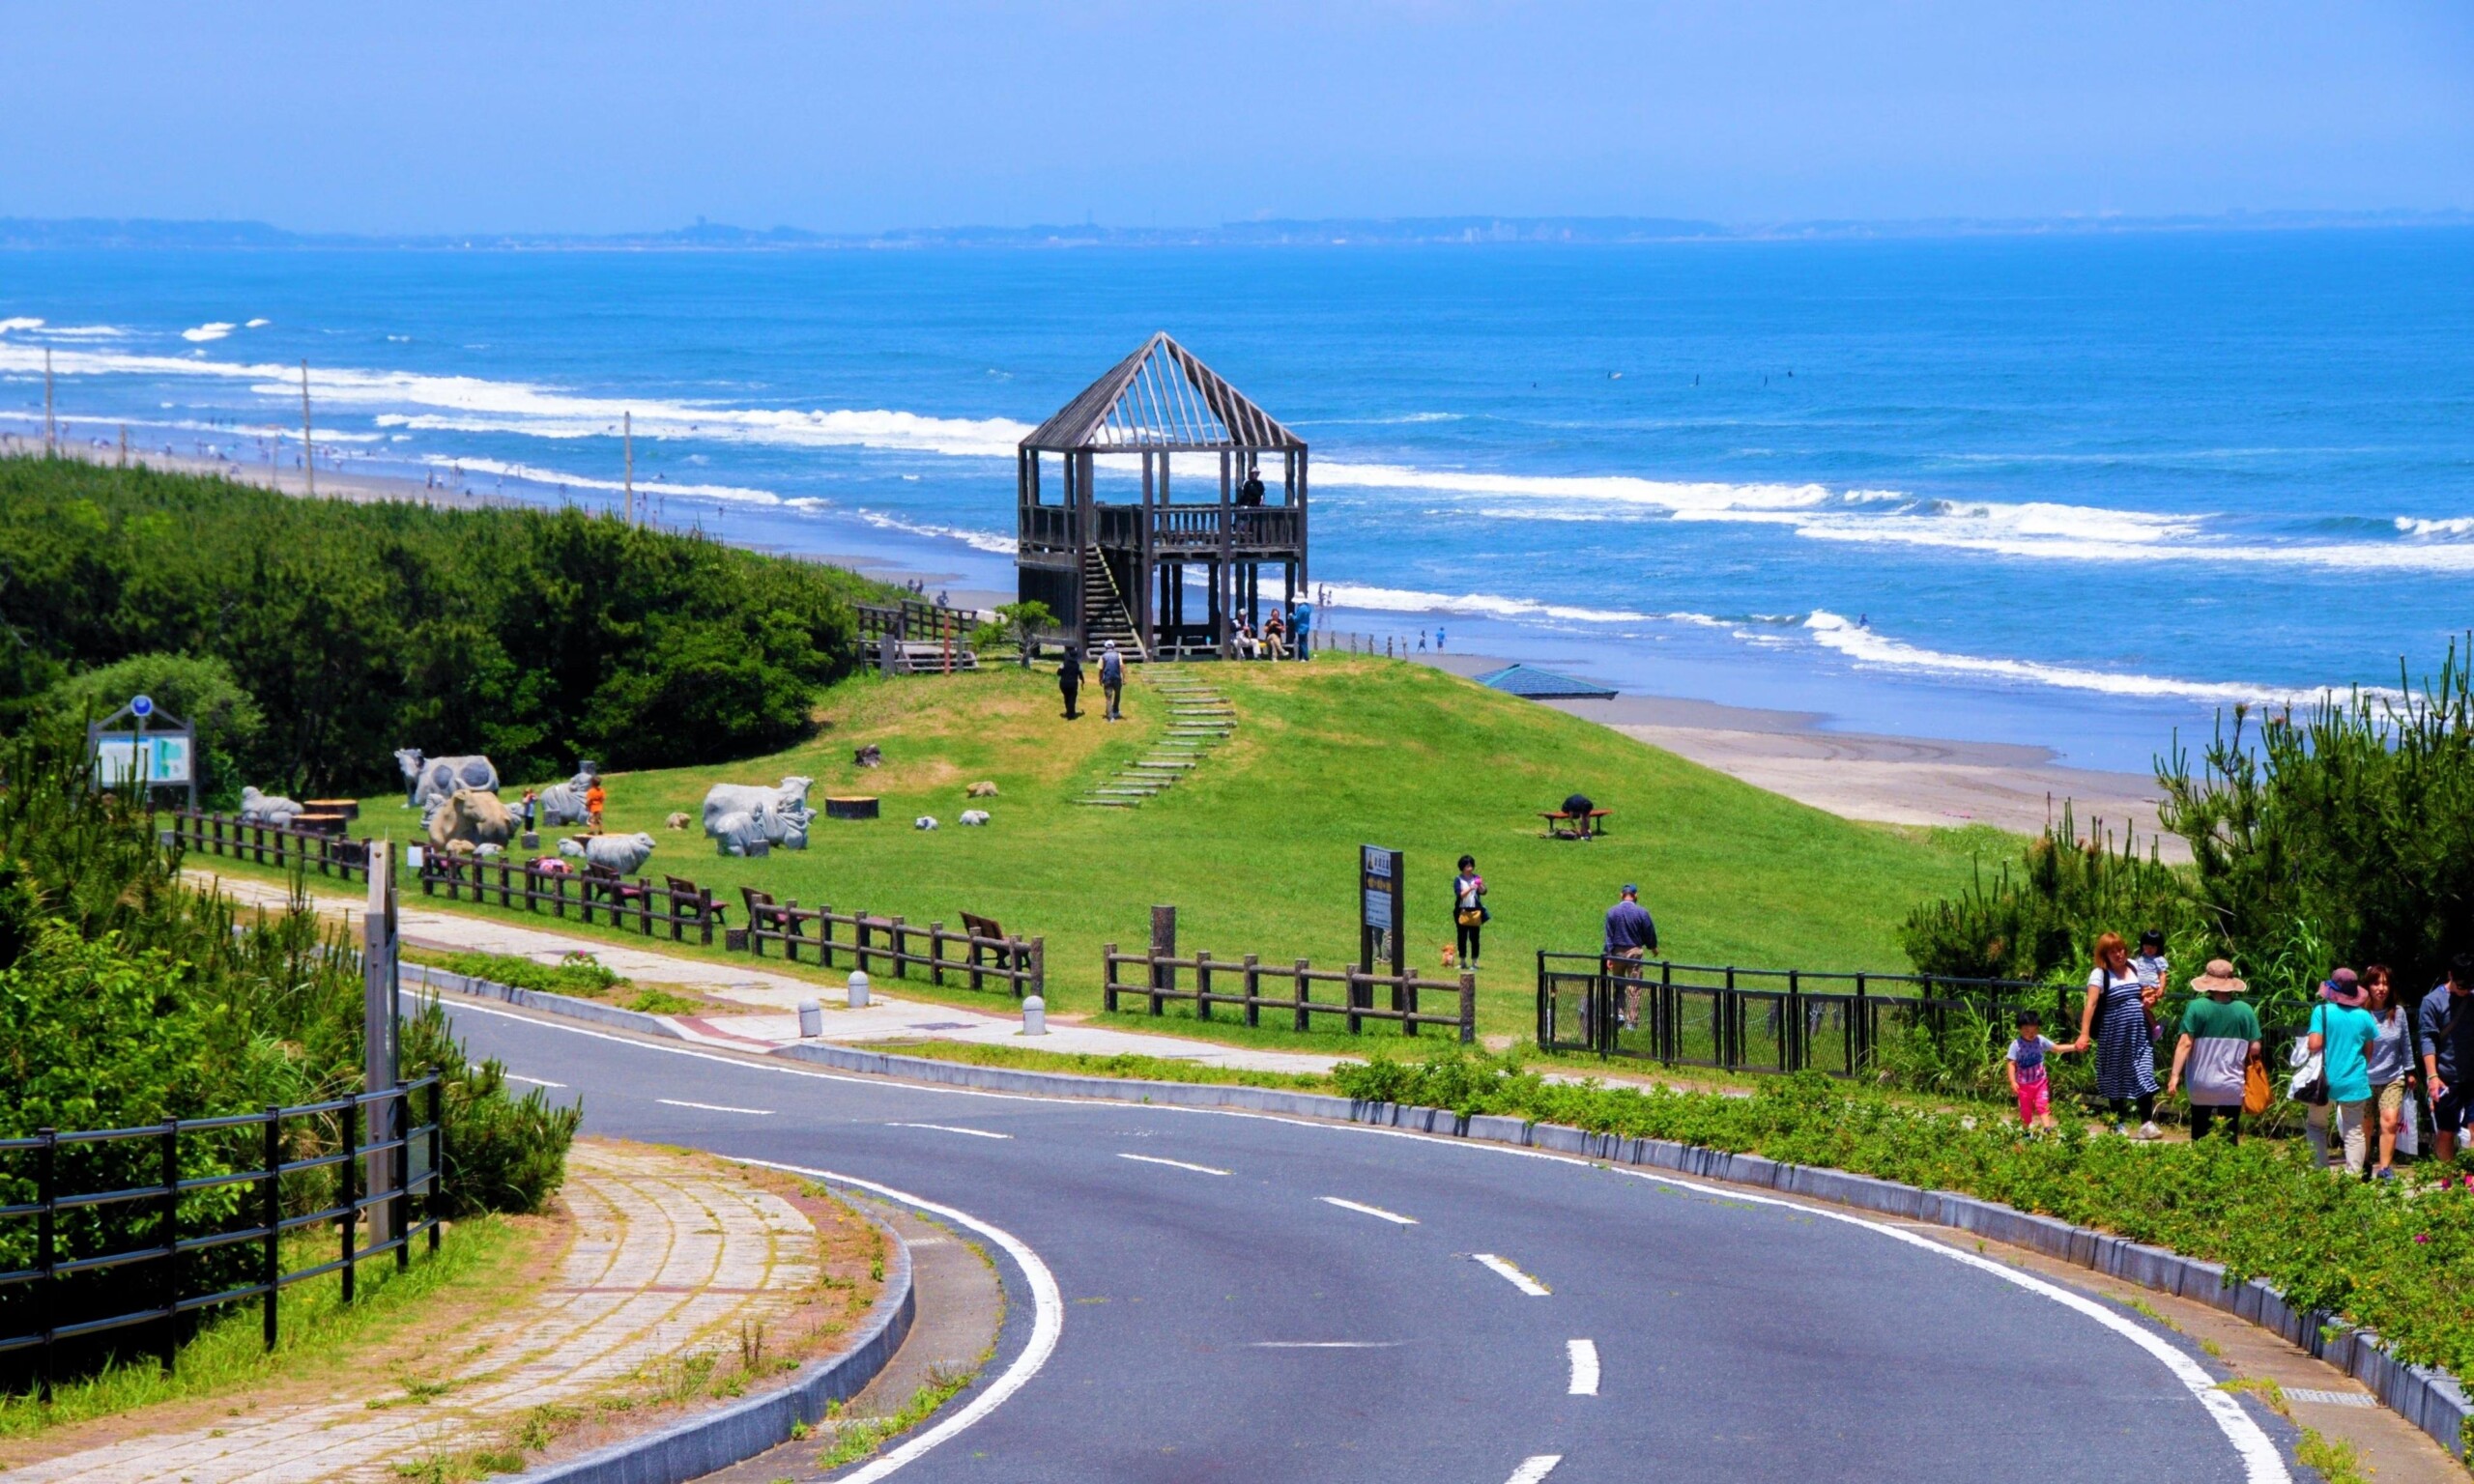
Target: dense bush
200	690
2387	1257
2039	920
535	636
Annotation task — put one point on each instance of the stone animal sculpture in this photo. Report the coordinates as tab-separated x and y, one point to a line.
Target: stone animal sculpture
460	847
475	816
491	852
435	777
267	808
974	816
740	829
678	820
982	790
924	823
563	803
869	757
624	854
788	795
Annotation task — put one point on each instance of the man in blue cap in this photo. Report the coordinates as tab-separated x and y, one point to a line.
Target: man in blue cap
1630	936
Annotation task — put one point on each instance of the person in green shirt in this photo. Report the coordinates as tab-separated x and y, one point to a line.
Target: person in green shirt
2343	1032
2220	1040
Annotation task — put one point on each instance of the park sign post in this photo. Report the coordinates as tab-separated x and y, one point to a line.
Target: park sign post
140	744
1381	916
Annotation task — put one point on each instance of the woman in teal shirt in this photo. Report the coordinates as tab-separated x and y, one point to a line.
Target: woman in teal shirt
2342	1032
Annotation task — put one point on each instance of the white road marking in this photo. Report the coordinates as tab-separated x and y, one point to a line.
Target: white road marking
1392	1217
1535	1467
1513	1275
531	1081
714	1108
1176	1164
1048	1321
976	1134
1324	1345
1584	1354
2261	1464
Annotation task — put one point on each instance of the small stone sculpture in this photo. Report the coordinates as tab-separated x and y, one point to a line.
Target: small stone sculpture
624	854
267	808
982	790
974	816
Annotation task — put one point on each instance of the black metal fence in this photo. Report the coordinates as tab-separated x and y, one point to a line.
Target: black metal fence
1739	1020
105	1231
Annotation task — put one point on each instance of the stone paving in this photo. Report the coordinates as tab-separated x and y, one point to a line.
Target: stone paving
667	1259
767	1003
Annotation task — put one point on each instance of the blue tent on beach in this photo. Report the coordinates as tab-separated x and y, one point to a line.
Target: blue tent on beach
1543	684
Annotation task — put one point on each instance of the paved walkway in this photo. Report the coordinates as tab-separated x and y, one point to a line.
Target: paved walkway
667	1259
765	1004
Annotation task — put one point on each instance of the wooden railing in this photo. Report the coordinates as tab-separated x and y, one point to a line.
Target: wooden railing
681	906
913	619
270	845
875	944
1292	993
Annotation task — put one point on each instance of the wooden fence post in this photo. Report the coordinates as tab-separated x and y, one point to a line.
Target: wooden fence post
1305	998
1108	982
1202	983
1254	992
935	952
1468	1009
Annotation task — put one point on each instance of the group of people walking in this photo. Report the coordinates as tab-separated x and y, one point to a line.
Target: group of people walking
2357	1058
1069	681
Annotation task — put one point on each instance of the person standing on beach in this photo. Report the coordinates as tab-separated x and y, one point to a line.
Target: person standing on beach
2220	1040
2117	1016
2444	1026
1469	912
2342	1032
594	799
1631	935
1112	681
2391	1058
1069	680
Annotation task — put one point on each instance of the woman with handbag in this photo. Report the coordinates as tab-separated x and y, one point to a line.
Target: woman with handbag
1469	912
2219	1046
2116	1022
2391	1057
2341	1033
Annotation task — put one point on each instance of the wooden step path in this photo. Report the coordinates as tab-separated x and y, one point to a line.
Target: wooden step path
1199	719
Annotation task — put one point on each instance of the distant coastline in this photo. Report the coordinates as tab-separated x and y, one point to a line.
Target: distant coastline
89	234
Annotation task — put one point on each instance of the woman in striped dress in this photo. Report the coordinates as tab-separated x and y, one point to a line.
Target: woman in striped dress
2115	1022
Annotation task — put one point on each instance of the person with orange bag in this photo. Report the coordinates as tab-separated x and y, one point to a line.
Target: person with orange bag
2220	1041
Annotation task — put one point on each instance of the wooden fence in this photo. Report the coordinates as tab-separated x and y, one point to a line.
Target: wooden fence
913	620
876	943
1293	992
270	845
681	906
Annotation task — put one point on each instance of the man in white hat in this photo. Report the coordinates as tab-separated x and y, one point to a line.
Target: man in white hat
1112	680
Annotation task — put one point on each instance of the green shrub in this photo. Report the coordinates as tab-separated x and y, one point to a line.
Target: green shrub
230	732
578	973
2039	919
503	1152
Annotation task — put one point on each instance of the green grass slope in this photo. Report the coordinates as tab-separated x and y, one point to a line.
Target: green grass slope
1258	849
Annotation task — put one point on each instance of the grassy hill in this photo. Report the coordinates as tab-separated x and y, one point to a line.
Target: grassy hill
1258	849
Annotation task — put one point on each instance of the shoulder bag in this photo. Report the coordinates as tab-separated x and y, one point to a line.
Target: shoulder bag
2310	1085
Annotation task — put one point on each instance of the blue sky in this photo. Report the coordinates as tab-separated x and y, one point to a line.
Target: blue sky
862	115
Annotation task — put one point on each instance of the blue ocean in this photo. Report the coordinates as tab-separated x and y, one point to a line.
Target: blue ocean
2082	491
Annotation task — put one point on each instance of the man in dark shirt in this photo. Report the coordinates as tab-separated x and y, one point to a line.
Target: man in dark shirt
1630	936
2444	1026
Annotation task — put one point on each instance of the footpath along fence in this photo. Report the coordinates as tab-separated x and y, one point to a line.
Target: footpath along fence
90	1245
590	893
875	944
1156	984
1739	1020
270	845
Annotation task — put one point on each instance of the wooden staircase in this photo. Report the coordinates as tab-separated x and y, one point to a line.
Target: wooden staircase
1105	616
1199	720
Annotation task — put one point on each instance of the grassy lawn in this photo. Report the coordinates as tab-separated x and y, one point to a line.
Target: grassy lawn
1258	849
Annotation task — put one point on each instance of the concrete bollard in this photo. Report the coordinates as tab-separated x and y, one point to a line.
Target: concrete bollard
811	1019
858	988
1034	1016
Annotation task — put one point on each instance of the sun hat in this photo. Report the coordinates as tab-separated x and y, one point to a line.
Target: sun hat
2342	989
2219	979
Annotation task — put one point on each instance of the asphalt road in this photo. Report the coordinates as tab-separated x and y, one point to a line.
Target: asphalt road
1249	1297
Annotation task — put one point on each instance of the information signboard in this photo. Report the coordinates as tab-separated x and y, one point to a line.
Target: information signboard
123	758
1381	877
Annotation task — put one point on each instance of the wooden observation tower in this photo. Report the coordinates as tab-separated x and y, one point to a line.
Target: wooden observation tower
1108	545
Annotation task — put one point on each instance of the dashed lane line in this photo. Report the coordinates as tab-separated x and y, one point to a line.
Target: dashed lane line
1535	1467
712	1107
1513	1275
1174	1164
533	1081
1584	1357
1392	1217
976	1134
1324	1345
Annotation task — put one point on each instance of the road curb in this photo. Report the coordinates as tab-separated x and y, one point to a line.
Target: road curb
2427	1396
699	1445
541	1000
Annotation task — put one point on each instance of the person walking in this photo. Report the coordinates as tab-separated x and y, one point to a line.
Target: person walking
1469	912
2391	1059
2220	1040
594	799
2024	1064
2444	1030
1069	680
1112	680
2115	1018
2342	1032
1631	935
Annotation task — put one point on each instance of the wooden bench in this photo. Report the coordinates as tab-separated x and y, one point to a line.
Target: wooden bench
988	952
1583	826
618	889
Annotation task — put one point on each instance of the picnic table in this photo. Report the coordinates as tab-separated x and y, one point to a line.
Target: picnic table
1583	826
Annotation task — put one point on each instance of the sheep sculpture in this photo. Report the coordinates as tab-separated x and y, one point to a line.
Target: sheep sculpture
624	854
974	816
924	823
267	808
677	821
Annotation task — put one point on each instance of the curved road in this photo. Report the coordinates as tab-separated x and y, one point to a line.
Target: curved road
1256	1299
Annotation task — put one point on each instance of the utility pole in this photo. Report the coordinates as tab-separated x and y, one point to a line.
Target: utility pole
627	422
124	446
50	433
308	451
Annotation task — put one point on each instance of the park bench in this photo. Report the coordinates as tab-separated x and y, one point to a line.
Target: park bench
615	888
1580	826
